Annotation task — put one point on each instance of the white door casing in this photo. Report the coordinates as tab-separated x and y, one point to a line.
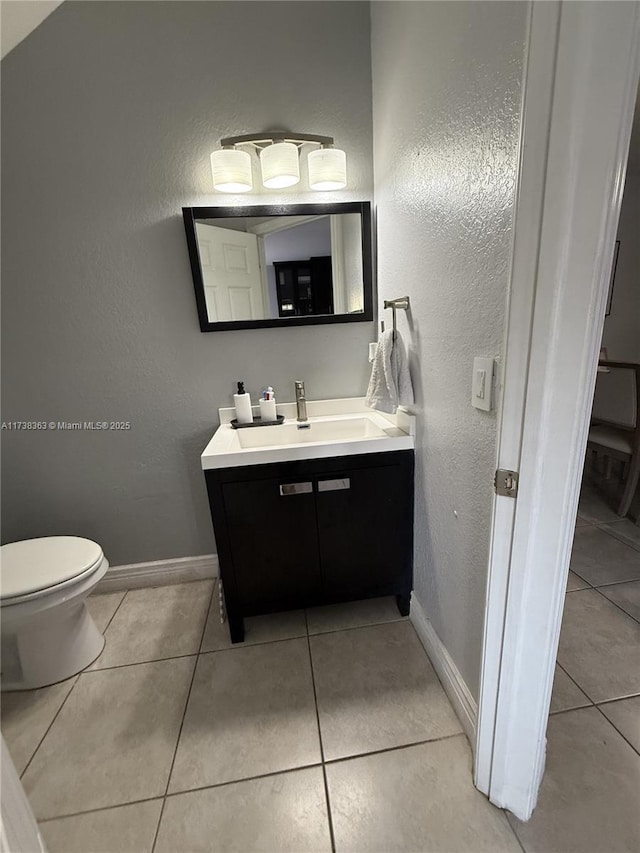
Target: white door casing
577	126
231	274
18	828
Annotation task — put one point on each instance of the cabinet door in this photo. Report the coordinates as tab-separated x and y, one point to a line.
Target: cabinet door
364	526
274	541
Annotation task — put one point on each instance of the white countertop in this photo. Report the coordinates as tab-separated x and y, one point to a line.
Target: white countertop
356	429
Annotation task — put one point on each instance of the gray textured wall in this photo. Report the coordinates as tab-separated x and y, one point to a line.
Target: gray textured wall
109	113
446	106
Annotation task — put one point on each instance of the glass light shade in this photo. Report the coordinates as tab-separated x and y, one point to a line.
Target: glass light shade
280	165
231	170
327	169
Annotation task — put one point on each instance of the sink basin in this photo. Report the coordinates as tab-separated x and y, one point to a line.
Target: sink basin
336	428
321	430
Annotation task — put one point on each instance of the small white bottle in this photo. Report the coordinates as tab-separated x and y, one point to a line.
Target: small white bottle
268	406
242	402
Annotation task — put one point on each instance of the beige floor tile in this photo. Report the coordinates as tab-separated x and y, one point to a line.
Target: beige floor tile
113	741
377	689
574	582
625	531
599	558
285	812
626	596
593	507
598	644
353	614
257	629
26	716
251	711
588	801
566	694
127	829
420	798
157	623
625	716
102	606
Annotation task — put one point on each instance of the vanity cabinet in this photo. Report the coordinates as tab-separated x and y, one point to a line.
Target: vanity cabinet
317	531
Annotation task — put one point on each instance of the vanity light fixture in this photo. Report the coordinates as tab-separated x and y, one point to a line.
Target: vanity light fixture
279	162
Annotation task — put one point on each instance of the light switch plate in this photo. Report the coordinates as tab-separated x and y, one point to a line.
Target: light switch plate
482	384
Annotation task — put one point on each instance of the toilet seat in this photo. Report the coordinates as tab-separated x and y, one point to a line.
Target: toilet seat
33	567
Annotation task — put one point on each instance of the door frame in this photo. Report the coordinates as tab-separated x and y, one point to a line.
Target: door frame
581	79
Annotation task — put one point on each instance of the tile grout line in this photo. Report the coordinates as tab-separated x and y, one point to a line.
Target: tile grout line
592	701
615	604
576	684
55	717
246	645
99	809
250	778
206	620
307	766
120	603
622	735
601	526
138	663
513	830
324	769
184	714
397	748
616	583
64	701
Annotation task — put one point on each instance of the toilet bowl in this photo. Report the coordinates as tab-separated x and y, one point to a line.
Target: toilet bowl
47	632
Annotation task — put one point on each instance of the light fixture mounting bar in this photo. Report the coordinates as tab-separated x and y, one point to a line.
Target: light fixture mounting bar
271	136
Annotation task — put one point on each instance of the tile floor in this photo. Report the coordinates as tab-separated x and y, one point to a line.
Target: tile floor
590	795
327	729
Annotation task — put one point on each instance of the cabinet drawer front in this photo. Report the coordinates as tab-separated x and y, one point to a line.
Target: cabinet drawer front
334	485
296	488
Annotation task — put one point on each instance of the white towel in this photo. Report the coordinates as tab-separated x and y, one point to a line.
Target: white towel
390	384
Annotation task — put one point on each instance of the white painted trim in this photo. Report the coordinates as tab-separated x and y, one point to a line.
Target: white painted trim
273	225
159	573
452	681
18	828
544	22
595	83
340	305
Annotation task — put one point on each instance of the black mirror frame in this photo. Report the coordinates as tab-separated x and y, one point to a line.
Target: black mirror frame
190	214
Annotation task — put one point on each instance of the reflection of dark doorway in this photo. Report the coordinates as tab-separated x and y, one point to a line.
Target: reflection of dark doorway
304	287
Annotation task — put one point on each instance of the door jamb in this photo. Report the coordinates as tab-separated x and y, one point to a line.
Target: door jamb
591	110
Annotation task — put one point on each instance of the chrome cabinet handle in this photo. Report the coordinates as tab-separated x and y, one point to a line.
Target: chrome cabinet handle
296	488
334	485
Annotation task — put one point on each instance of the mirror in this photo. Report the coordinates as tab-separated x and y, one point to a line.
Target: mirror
293	265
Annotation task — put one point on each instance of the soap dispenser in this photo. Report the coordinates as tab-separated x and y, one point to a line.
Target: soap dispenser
242	402
267	404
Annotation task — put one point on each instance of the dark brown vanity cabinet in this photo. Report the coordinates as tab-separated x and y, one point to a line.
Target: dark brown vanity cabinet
299	534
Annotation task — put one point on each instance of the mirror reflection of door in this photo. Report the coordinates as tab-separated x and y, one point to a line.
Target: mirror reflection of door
231	273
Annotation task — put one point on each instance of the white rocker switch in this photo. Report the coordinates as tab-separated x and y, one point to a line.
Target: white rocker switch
482	383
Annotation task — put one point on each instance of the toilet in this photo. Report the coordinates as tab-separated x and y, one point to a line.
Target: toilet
47	631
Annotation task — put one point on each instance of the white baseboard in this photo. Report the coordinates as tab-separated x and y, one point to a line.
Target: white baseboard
159	573
454	685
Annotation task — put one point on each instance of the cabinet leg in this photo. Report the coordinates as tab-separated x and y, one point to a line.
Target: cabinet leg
404	604
236	628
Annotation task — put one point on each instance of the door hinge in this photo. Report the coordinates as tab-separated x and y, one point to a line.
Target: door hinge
506	483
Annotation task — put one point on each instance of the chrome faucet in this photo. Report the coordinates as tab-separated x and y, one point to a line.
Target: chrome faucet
301	405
